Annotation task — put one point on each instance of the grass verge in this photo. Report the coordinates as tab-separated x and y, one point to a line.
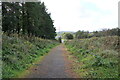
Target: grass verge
19	53
96	57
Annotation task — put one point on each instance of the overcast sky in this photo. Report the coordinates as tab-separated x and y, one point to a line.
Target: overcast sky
91	15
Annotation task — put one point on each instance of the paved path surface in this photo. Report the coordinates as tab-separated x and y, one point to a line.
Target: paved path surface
52	66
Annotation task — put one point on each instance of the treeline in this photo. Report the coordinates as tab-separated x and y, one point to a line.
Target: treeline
105	32
28	18
86	34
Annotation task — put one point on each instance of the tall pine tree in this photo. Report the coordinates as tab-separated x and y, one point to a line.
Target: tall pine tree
29	18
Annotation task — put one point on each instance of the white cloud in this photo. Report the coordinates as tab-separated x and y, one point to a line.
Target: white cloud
74	15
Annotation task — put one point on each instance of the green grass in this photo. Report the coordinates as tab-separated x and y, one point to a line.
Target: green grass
98	56
19	53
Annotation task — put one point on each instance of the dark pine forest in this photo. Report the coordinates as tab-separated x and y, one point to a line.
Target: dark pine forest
29	18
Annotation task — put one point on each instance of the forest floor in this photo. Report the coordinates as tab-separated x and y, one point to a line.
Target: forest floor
54	65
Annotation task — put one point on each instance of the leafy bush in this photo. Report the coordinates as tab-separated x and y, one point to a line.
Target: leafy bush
68	36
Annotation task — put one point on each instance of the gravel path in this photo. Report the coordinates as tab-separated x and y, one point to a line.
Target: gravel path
52	66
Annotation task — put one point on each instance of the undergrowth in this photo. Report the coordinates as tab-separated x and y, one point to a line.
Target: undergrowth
19	52
98	56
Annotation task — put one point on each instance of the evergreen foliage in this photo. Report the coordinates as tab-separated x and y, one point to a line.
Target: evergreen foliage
29	18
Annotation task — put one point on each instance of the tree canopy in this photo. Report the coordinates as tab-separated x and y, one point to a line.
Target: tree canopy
81	34
105	32
29	18
68	36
